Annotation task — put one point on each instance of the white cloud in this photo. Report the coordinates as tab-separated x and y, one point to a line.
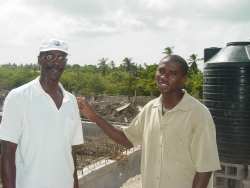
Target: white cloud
118	28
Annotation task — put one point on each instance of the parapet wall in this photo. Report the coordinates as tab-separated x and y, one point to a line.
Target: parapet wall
111	173
108	173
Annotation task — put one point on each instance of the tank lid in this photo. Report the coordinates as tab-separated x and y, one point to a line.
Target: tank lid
233	52
241	43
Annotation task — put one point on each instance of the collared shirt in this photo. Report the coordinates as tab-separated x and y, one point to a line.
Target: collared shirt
176	144
44	136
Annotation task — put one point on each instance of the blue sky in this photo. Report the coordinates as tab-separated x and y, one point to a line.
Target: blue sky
114	29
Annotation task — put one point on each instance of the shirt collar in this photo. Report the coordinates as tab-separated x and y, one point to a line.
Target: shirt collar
183	105
41	90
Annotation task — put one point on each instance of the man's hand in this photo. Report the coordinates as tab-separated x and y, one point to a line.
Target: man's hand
86	109
8	164
201	179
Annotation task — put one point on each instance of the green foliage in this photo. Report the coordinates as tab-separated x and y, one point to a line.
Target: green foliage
195	77
194	84
168	50
129	78
12	76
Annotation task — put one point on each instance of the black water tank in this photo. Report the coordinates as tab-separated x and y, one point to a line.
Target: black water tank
210	52
226	92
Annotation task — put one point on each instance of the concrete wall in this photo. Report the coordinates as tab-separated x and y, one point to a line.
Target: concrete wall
92	130
111	174
108	173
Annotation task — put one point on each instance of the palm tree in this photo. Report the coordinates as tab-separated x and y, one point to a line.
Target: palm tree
131	68
168	50
111	64
127	64
103	67
192	61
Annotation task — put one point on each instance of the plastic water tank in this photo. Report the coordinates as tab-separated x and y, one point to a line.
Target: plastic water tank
226	92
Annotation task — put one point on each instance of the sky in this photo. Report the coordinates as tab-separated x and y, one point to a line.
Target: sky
115	29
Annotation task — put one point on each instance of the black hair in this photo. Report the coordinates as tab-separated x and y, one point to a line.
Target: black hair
177	59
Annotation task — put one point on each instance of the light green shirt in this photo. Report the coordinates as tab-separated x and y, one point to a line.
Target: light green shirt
175	145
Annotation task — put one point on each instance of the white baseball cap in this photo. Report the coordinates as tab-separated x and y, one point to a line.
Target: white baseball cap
54	44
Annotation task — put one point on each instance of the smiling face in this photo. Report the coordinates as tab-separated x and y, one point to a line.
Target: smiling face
170	76
52	64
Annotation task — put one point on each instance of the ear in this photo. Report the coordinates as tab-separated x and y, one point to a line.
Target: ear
184	79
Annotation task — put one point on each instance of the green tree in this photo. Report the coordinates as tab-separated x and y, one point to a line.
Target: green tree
131	68
192	61
103	66
168	51
195	77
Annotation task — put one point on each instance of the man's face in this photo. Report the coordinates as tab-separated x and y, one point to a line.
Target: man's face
169	77
52	64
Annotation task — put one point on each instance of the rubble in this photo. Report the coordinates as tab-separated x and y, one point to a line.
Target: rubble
115	110
109	111
95	149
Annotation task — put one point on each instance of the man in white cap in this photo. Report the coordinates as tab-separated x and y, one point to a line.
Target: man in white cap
40	124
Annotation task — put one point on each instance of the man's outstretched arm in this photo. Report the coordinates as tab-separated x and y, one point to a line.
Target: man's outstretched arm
114	133
8	166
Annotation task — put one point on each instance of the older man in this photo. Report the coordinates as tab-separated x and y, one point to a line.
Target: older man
40	124
176	131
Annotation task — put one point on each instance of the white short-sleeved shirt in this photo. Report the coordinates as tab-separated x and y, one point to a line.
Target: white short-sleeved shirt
44	135
175	145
